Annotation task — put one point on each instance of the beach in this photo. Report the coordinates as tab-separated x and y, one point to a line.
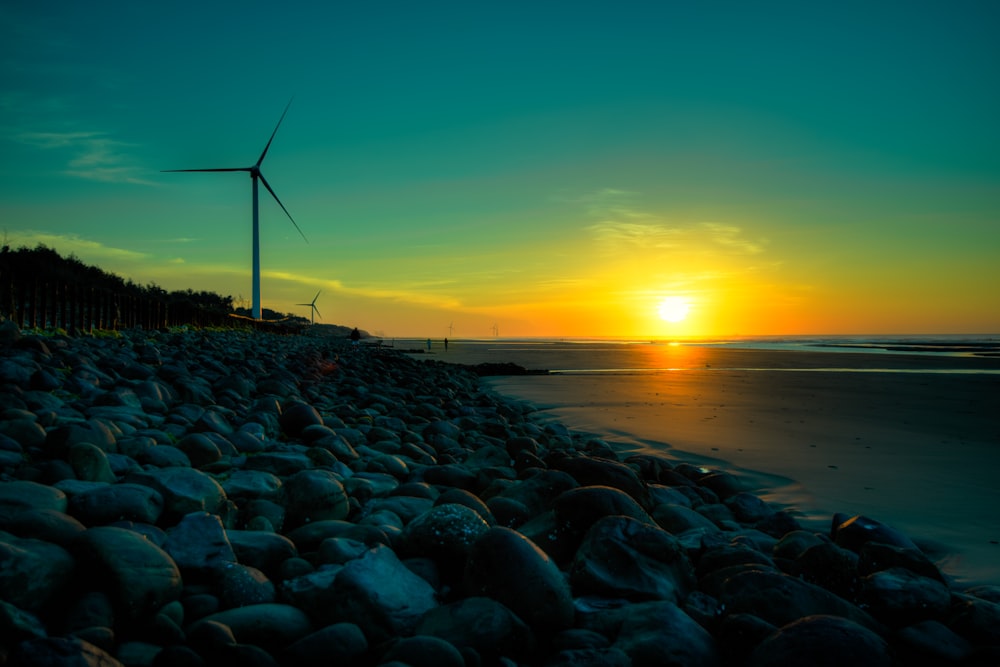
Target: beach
913	440
188	497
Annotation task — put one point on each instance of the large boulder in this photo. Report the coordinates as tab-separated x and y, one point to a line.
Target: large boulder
510	568
659	633
481	624
822	641
33	573
622	557
138	575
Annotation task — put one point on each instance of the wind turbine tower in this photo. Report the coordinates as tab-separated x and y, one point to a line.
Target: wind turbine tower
315	310
256	175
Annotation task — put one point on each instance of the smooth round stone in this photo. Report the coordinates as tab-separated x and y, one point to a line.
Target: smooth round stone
252	484
335	644
163	456
660	633
242	585
852	533
621	557
822	640
900	597
184	490
32	572
510	568
59	440
297	416
141	576
447	530
594	471
117	502
200	450
424	651
406	508
314	495
280	463
61	651
22	494
678	519
481	624
470	500
262	550
46	525
271	626
26	431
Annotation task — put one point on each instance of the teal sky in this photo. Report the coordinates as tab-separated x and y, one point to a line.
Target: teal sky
549	168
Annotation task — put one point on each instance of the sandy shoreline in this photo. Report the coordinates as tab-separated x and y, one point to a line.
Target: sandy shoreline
918	450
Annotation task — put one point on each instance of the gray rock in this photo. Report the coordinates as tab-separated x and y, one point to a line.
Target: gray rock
659	633
117	502
262	550
424	651
140	576
33	573
481	624
314	495
184	490
447	531
90	463
270	626
510	568
852	533
622	557
381	595
199	544
242	585
61	652
336	644
822	641
22	494
199	449
252	484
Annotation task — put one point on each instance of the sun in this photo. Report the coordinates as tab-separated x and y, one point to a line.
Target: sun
674	309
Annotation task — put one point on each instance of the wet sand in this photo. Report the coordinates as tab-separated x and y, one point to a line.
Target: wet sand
917	449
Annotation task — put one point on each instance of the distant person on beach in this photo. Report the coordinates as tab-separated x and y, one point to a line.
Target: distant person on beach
355	337
428	344
445	344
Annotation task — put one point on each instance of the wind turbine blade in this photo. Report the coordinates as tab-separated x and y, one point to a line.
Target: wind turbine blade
268	186
317	312
224	169
261	158
316	297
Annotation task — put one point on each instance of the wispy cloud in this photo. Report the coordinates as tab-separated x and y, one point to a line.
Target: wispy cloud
73	244
93	155
624	226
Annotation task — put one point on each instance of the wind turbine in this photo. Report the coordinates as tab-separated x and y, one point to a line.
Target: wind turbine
255	175
315	310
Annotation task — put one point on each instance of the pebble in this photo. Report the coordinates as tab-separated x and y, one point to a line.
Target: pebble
211	497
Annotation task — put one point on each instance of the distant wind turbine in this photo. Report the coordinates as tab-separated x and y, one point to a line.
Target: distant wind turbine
255	175
315	310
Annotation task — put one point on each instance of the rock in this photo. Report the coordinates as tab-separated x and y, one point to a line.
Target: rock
424	651
252	484
659	633
978	621
748	508
852	533
481	624
241	585
678	519
470	500
622	557
931	643
199	449
596	471
296	417
117	502
314	495
45	524
199	544
90	463
21	494
900	597
447	531
336	644
61	652
824	641
780	599
381	595
33	573
264	551
140	577
184	490
508	567
270	626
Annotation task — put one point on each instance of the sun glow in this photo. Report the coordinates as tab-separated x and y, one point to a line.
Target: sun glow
674	309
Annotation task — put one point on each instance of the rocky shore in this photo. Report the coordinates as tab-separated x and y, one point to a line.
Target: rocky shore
191	498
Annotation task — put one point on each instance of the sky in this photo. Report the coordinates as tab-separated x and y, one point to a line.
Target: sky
559	169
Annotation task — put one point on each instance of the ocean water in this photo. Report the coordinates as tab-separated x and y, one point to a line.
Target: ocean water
903	429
